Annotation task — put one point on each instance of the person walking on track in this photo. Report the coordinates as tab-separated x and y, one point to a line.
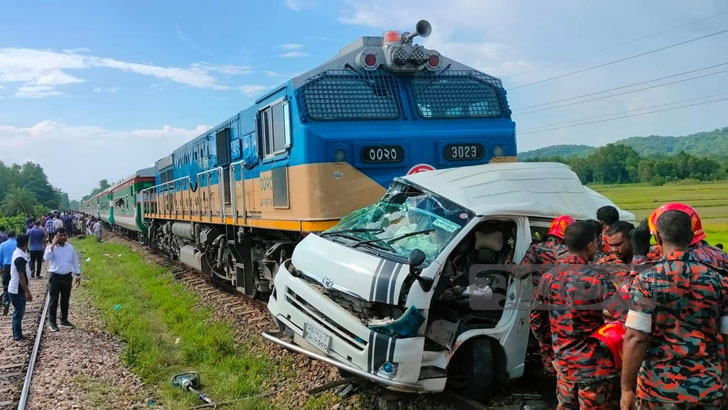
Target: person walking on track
37	241
6	257
62	266
50	230
19	287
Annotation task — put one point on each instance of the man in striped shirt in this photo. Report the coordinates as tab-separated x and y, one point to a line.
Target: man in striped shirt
49	228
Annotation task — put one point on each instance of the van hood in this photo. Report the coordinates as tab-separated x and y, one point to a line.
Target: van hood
335	266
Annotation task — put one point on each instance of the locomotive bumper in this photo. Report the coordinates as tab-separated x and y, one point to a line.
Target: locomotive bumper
319	328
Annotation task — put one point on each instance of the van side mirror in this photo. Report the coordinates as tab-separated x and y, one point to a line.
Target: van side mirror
415	260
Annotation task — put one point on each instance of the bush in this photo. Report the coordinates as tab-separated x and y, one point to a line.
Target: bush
13	223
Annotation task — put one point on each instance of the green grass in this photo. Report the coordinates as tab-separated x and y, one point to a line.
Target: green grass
709	198
167	331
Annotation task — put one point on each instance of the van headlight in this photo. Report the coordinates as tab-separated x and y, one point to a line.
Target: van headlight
388	369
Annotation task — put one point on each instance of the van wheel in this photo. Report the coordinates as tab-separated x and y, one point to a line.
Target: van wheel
470	372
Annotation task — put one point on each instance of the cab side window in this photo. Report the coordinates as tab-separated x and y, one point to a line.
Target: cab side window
274	128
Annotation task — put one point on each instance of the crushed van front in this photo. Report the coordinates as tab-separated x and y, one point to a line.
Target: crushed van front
315	302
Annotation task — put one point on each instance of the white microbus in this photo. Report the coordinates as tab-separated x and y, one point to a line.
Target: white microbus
417	290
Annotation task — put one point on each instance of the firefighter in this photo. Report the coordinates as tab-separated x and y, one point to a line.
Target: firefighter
678	309
568	303
628	246
607	216
544	255
703	251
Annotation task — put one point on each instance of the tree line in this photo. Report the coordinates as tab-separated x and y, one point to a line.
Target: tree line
103	185
621	164
25	190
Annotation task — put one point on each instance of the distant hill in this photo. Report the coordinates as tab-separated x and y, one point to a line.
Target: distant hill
551	151
710	143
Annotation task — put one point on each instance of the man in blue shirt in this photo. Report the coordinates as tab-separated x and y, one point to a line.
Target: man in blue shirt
3	235
37	241
6	254
50	229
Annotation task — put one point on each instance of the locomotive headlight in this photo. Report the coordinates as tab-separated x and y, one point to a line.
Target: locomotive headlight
498	151
399	56
418	57
340	155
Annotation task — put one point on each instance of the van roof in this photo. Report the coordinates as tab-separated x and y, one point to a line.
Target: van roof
544	189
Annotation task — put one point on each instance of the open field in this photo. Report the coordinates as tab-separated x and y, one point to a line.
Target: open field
709	198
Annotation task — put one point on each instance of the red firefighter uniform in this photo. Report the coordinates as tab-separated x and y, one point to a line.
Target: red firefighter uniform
703	252
711	256
546	254
683	302
621	275
569	302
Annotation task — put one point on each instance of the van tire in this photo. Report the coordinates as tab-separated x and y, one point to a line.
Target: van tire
470	373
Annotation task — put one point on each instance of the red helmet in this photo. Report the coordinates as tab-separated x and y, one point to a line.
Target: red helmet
559	224
696	224
612	336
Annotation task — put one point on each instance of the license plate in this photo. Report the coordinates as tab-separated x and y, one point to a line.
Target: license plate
316	337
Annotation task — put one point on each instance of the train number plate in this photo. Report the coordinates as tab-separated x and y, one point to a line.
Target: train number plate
316	337
464	152
382	154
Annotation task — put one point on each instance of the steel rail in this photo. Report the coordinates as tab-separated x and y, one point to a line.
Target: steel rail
33	356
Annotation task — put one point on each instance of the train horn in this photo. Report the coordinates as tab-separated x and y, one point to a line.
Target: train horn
422	29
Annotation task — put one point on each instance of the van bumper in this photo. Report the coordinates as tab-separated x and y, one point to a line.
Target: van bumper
354	347
408	387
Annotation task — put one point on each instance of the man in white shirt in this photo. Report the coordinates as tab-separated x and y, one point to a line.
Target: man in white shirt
19	288
57	223
98	230
62	266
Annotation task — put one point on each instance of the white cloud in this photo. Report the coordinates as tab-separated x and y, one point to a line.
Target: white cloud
251	90
228	69
290	46
298	5
36	91
77	50
89	153
270	73
294	54
106	89
41	72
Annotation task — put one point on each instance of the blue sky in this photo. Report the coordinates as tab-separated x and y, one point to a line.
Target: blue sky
82	80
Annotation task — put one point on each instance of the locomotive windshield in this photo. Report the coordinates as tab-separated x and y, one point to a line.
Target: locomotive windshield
336	95
457	94
405	219
351	95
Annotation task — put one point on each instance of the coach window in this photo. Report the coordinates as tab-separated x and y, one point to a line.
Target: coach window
275	129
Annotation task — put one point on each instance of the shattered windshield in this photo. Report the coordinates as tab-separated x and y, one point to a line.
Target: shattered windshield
405	219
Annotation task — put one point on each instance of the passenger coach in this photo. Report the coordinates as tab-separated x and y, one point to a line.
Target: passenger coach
234	201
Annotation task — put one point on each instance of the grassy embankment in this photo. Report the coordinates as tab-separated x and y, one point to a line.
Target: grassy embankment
709	198
167	332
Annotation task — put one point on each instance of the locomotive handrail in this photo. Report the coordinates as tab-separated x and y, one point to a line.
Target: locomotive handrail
155	187
242	164
219	171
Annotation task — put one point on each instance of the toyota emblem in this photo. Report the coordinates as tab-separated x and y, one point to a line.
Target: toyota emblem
328	282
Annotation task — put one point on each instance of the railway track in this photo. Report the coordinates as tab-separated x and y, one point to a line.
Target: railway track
18	358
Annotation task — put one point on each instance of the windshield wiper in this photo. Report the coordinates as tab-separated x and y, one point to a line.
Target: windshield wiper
407	235
344	231
371	242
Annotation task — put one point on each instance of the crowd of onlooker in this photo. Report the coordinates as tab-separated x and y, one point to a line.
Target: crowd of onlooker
22	256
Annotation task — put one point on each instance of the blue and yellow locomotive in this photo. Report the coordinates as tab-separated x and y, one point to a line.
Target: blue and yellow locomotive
234	201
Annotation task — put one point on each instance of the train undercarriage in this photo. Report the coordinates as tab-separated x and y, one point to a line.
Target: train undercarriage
245	258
